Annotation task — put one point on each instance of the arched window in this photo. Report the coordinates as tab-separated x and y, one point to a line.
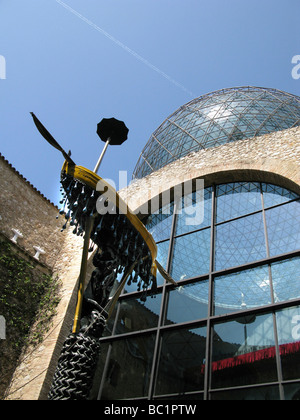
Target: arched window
231	329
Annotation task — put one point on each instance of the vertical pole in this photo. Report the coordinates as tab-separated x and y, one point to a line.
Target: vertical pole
102	155
82	276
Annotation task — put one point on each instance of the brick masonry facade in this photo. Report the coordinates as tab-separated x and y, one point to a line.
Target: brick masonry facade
273	158
25	209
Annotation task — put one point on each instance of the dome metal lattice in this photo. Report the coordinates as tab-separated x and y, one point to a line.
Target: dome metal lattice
217	118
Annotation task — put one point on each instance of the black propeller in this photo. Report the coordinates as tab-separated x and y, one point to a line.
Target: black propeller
45	133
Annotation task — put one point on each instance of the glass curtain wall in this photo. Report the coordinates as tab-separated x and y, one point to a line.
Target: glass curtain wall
231	329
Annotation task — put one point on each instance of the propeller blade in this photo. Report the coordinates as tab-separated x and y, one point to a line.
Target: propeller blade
50	139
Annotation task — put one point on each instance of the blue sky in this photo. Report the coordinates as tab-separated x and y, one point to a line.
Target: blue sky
135	60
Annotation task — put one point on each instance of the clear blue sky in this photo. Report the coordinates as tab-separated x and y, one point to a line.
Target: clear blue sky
136	60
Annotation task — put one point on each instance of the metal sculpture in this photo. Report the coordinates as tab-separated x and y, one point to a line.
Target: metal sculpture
124	246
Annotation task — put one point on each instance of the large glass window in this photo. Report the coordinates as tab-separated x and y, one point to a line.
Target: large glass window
136	315
242	290
231	329
127	374
188	302
244	352
188	208
237	199
182	361
240	241
191	255
286	279
288	321
281	222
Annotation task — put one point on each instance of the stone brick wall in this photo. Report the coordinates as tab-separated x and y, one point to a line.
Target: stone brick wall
33	376
24	208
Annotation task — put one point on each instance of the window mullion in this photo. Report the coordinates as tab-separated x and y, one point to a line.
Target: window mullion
163	311
209	335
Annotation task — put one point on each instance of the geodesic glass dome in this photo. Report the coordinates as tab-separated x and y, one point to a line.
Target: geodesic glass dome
217	118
